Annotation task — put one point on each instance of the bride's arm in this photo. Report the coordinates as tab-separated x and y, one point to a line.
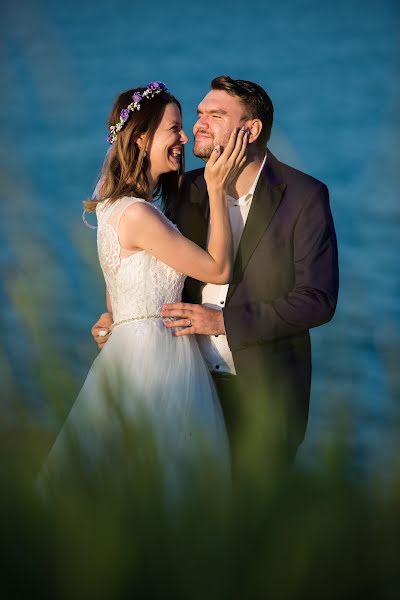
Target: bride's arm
108	302
142	226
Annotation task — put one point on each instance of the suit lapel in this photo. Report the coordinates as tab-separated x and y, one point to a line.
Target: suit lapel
193	223
199	226
265	201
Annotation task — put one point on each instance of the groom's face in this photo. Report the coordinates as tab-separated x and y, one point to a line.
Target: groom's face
218	114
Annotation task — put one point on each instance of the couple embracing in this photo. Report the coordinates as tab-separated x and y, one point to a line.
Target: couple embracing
241	253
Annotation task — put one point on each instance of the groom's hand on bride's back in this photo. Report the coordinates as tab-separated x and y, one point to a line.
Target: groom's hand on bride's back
102	328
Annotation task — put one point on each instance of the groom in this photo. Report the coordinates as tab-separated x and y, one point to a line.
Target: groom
254	333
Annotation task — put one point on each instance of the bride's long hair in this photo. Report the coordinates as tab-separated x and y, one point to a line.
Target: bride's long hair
124	172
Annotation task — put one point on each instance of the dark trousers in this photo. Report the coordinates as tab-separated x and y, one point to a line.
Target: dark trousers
229	397
233	398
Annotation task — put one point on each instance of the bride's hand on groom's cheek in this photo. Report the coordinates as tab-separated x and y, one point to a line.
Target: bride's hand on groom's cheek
193	318
101	329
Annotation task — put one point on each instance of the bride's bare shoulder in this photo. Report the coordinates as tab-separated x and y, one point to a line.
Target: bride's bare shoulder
140	211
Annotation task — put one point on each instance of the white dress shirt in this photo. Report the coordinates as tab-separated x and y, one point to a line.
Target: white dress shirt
215	349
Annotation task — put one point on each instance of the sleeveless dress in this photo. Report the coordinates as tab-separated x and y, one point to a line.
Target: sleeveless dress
152	376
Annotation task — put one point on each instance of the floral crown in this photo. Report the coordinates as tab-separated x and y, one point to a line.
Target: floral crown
153	88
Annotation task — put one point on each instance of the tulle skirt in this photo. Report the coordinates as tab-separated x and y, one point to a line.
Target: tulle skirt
146	378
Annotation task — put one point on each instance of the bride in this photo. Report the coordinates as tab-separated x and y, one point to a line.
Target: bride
150	374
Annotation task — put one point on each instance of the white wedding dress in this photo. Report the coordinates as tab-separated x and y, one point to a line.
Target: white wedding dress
150	374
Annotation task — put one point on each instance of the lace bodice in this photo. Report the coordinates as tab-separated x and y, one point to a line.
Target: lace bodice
138	283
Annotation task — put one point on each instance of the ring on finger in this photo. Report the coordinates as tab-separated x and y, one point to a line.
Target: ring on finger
190	323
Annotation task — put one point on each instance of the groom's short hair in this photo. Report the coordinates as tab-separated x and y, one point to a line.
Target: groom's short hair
255	100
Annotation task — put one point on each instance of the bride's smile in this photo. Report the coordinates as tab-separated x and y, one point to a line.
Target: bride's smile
165	151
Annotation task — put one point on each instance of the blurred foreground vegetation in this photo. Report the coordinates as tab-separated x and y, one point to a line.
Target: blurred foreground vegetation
115	532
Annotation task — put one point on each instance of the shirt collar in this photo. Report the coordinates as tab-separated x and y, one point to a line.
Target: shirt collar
245	199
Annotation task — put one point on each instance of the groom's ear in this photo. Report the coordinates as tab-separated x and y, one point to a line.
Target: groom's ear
255	127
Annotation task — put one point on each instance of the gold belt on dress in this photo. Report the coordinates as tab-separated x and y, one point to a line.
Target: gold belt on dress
131	319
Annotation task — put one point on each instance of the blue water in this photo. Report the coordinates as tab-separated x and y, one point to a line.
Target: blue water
332	70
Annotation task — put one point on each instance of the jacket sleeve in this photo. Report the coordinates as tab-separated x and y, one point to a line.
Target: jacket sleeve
312	301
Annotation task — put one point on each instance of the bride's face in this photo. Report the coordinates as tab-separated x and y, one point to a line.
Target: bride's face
165	150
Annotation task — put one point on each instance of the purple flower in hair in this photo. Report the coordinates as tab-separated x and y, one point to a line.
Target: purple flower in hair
137	97
124	114
157	85
154	87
